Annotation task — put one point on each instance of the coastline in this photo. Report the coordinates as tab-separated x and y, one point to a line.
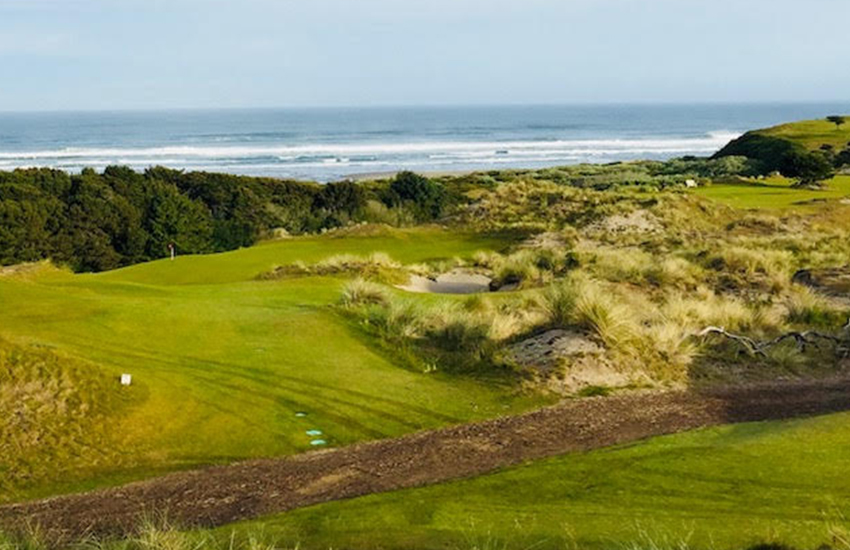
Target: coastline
390	174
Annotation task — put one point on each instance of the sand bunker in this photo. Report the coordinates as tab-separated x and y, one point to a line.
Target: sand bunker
453	282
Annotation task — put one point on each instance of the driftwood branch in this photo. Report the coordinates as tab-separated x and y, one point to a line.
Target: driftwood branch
809	338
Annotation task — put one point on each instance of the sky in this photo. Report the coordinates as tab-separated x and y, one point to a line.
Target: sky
150	54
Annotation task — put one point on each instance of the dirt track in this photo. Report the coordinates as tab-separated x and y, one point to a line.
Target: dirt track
219	495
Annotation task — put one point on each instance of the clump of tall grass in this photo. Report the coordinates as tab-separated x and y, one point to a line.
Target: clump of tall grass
559	302
675	272
621	264
362	292
347	262
697	310
807	308
462	334
526	266
748	267
454	329
666	349
514	317
584	303
396	320
518	268
51	401
598	311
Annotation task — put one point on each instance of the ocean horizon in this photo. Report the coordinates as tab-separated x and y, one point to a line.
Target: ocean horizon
326	144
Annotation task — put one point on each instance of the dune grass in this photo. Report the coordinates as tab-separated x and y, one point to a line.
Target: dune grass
722	488
222	363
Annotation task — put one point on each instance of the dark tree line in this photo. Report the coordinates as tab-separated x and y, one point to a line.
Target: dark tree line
97	221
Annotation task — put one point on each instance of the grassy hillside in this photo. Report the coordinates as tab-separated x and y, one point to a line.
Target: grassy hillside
220	370
792	148
812	134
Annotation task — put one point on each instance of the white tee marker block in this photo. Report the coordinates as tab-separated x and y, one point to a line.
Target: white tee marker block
126	379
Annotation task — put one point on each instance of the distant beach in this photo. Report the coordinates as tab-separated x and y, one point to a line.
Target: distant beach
331	144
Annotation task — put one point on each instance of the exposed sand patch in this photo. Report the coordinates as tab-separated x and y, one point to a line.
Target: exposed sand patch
545	351
588	371
548	239
454	282
568	361
639	221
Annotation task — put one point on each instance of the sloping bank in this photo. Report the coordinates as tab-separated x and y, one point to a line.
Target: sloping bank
218	495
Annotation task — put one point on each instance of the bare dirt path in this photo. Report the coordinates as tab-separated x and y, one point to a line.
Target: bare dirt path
219	495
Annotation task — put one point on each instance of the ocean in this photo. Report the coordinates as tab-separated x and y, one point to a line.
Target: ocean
334	143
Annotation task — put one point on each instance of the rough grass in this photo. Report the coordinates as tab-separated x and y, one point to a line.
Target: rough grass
377	265
151	534
56	414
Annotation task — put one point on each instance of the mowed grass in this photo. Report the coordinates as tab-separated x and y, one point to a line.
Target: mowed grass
775	193
404	245
222	363
727	487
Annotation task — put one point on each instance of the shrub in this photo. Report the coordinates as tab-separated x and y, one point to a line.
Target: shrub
425	197
807	167
770	152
